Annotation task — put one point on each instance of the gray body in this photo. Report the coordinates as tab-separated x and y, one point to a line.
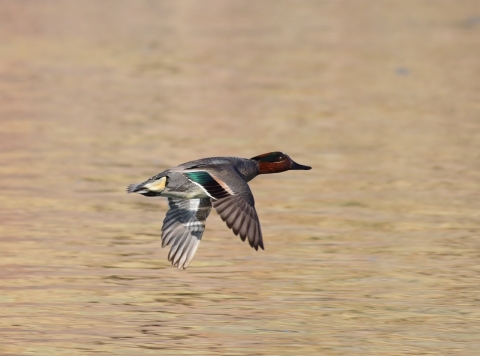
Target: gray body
179	186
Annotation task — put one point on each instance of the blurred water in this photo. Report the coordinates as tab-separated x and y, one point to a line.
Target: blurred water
375	251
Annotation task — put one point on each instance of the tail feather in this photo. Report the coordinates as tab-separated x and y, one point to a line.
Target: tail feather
132	188
150	188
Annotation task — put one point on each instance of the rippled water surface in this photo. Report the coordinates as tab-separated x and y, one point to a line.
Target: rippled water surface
373	252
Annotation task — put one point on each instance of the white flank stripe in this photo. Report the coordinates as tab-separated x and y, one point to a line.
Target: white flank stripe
202	188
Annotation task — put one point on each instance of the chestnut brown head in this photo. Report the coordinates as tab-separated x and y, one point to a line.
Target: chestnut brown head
276	162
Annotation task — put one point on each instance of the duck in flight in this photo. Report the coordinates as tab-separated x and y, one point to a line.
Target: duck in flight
192	189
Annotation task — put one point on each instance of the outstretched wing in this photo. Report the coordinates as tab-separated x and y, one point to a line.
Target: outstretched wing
183	228
241	216
232	199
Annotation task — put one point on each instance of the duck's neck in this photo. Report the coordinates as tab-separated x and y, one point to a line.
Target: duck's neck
247	168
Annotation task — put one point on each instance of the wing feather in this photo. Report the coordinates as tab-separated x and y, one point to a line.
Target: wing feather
241	217
232	199
183	228
237	225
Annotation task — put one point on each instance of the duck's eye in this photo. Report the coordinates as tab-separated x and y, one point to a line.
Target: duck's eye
271	157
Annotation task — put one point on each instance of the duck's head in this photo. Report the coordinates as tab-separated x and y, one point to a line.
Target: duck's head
276	162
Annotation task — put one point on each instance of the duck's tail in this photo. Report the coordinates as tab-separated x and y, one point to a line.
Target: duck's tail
150	188
133	188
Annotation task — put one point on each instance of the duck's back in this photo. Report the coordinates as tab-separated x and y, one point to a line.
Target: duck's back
246	167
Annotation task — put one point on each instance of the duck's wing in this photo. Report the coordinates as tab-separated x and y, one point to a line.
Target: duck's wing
183	228
232	199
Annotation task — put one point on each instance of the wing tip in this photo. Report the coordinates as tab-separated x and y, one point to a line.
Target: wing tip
261	245
256	246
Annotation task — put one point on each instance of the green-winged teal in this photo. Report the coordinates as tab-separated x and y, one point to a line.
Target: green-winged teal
194	187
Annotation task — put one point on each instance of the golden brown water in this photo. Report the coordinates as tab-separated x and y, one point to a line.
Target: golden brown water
373	252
